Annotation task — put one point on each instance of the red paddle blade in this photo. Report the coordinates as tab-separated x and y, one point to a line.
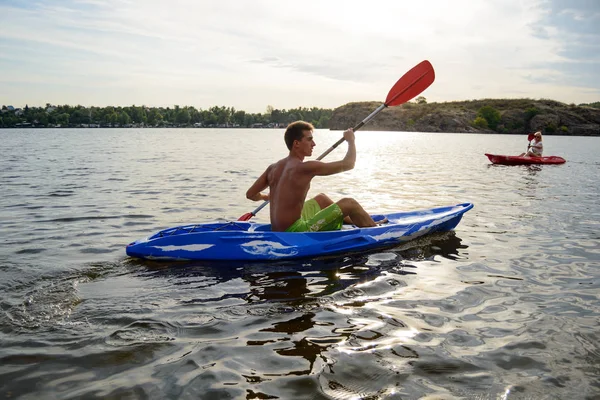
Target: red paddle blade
530	136
245	217
411	84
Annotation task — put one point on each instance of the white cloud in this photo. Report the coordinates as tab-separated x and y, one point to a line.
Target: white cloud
250	54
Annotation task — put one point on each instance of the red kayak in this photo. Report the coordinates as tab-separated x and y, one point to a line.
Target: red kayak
517	160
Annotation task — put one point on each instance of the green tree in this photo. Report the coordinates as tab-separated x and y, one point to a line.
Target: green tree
480	122
323	121
221	114
183	116
80	116
11	120
124	118
269	111
41	118
62	119
195	115
531	112
138	114
239	117
550	127
277	116
110	117
249	120
208	118
154	117
491	115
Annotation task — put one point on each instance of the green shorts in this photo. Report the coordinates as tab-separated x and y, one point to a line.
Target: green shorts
313	219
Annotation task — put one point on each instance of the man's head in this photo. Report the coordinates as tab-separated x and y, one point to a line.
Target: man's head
295	131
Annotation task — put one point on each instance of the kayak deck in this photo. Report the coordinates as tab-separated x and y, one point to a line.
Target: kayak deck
518	160
246	241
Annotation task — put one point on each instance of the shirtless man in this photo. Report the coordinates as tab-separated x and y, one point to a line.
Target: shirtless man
289	179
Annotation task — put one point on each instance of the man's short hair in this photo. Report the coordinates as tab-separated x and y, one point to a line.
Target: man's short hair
295	131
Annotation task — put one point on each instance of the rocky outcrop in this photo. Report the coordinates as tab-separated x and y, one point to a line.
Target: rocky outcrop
517	116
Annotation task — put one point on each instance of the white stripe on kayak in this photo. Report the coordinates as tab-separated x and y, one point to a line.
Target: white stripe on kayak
263	247
188	247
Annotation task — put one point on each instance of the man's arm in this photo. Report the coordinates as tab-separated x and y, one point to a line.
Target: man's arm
254	193
335	167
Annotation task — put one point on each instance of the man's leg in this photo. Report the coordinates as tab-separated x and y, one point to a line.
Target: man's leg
324	201
357	214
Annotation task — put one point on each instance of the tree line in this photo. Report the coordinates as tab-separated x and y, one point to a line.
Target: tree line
141	116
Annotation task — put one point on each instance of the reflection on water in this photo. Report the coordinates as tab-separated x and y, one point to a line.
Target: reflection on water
505	307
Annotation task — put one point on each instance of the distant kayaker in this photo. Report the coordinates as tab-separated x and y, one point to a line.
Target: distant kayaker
535	148
289	180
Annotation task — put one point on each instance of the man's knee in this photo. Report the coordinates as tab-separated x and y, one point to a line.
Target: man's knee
323	200
347	205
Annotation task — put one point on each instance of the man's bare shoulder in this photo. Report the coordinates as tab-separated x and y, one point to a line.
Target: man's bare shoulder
275	170
278	164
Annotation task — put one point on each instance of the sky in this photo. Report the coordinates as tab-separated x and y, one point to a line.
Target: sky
310	53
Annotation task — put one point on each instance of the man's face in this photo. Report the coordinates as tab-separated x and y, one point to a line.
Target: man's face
307	143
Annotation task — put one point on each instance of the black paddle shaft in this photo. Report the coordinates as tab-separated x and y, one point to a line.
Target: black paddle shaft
357	127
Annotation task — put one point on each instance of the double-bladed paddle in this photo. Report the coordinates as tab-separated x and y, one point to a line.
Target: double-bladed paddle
412	83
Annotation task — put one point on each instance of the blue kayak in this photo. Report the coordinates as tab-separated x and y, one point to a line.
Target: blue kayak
248	241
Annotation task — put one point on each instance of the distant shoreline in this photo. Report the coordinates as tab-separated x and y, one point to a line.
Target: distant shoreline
282	128
142	117
492	116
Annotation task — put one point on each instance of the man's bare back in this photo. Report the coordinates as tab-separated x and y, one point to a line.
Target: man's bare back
288	185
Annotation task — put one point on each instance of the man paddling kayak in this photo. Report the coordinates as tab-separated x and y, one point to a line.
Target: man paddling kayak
289	180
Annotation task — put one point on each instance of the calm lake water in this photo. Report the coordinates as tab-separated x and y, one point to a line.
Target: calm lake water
505	307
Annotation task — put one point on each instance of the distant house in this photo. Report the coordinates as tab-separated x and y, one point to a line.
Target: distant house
50	109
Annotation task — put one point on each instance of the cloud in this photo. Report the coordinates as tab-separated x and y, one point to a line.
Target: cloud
325	54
